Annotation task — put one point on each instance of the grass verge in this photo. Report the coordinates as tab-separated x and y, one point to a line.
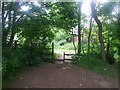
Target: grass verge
96	65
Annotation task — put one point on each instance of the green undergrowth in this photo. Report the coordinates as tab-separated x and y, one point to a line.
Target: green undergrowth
66	46
91	62
57	55
16	60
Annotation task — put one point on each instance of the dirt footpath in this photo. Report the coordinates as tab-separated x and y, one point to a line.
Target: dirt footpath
61	76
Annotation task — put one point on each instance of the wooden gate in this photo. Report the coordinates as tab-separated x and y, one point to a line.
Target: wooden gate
65	55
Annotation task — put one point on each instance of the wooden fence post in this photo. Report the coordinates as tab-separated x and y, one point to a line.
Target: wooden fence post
52	51
64	56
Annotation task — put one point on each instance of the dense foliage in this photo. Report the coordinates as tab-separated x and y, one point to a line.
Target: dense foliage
28	34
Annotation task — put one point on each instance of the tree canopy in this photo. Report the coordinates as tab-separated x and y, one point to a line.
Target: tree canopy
29	28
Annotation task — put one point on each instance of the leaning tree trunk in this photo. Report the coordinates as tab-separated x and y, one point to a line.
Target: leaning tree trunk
100	36
89	35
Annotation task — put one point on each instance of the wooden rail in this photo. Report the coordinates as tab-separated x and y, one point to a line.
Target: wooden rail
65	54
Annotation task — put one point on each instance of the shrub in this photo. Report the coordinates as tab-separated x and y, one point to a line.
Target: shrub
15	60
110	59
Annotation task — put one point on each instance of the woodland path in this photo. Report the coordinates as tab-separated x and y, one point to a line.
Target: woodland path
61	76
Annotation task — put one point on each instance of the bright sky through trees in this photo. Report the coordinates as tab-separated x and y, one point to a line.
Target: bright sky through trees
85	6
25	8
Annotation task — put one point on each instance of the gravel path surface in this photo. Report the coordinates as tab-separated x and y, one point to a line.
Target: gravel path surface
61	76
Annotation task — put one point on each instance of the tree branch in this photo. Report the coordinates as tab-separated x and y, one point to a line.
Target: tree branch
6	15
19	18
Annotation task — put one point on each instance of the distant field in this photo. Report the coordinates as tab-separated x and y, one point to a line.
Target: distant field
63	50
68	47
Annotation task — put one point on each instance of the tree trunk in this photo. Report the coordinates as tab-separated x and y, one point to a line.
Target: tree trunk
89	35
100	36
119	18
79	28
3	25
118	13
6	31
108	42
13	24
108	46
3	12
82	42
73	41
9	16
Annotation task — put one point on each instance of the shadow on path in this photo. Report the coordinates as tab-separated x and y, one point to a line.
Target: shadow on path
61	76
